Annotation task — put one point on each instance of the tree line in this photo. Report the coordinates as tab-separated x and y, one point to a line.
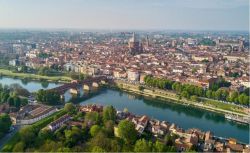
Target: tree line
10	94
217	90
5	123
48	97
95	134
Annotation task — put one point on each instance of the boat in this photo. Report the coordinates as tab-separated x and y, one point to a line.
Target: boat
238	118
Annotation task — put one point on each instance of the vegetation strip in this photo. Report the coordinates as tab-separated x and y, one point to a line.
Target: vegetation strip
34	76
36	126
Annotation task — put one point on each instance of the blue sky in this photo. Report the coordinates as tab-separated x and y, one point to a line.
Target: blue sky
126	14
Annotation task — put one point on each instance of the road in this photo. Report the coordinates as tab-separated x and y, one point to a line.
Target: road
8	136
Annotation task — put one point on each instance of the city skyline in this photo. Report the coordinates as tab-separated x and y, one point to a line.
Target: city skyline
218	15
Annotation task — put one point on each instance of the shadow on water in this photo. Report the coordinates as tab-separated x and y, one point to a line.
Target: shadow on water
181	109
25	81
45	84
241	126
76	99
217	121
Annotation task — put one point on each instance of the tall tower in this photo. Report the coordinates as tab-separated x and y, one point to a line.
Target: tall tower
134	45
147	41
241	45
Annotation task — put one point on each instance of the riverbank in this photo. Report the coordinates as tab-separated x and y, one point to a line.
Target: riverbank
35	77
172	97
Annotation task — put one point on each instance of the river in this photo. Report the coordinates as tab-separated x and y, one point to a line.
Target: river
184	116
30	85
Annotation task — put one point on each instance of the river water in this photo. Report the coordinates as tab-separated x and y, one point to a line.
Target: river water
184	116
31	86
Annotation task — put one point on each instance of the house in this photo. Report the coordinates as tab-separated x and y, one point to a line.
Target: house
59	122
91	108
122	115
208	135
181	144
158	130
219	147
208	146
119	74
13	62
165	125
75	123
142	76
140	123
69	67
234	147
133	75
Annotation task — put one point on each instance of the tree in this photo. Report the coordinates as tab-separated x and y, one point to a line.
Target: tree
170	149
116	145
185	94
94	130
97	149
17	102
69	107
50	146
101	141
177	87
168	140
4	96
159	147
10	101
19	90
49	97
127	132
44	71
194	98
207	42
243	99
19	147
209	93
109	113
45	134
142	146
109	128
72	136
92	118
27	135
246	91
5	123
233	96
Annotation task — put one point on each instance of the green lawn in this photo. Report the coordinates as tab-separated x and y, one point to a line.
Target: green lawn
224	106
34	76
38	125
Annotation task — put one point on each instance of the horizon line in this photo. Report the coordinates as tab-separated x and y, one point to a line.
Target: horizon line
123	29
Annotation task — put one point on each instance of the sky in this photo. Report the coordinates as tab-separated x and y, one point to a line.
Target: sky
126	14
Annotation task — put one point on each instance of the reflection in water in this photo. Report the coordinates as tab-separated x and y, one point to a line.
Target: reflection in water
25	81
184	116
45	84
28	84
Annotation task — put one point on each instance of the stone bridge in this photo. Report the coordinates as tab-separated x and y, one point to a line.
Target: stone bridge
87	84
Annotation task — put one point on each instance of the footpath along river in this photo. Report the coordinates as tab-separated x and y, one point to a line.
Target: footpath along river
184	116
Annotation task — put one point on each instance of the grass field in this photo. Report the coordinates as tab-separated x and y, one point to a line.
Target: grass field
34	76
224	106
38	125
